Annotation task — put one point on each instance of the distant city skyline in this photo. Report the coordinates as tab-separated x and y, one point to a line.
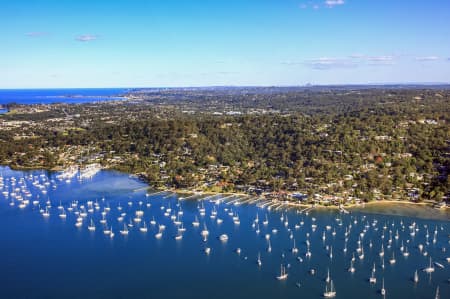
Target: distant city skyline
174	43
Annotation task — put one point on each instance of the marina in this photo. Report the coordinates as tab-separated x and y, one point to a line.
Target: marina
116	242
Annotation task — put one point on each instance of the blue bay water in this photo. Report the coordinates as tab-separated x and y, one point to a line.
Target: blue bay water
51	258
48	96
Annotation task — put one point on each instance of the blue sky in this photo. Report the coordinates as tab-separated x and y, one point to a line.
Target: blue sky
94	43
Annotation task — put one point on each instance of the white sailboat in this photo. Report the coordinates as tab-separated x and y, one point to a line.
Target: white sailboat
383	290
372	278
91	226
181	229
361	255
124	231
283	274
107	230
223	237
204	232
416	277
308	252
430	268
294	248
266	221
406	252
196	223
46	213
143	228
351	269
331	292
392	260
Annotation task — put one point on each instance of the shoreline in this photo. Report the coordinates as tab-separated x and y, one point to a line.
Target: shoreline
366	206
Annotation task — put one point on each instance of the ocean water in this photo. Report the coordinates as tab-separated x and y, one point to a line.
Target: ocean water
71	96
51	258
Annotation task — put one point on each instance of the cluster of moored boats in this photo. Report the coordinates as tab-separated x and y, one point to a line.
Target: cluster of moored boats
347	234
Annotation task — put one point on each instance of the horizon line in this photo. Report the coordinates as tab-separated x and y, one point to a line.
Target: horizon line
241	86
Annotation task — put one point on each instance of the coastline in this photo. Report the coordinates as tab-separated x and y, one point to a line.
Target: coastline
385	207
421	210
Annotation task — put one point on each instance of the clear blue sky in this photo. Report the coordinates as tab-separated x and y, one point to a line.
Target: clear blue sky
136	43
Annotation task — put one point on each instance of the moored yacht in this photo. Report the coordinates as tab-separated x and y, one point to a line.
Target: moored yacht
329	292
372	278
283	274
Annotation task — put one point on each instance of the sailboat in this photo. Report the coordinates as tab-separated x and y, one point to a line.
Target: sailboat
143	228
308	252
416	277
204	232
196	223
382	250
392	260
283	274
159	234
351	269
91	226
383	290
372	278
406	253
294	249
266	221
181	229
258	261
79	223
106	230
329	293
361	255
125	230
430	268
46	213
223	237
437	293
